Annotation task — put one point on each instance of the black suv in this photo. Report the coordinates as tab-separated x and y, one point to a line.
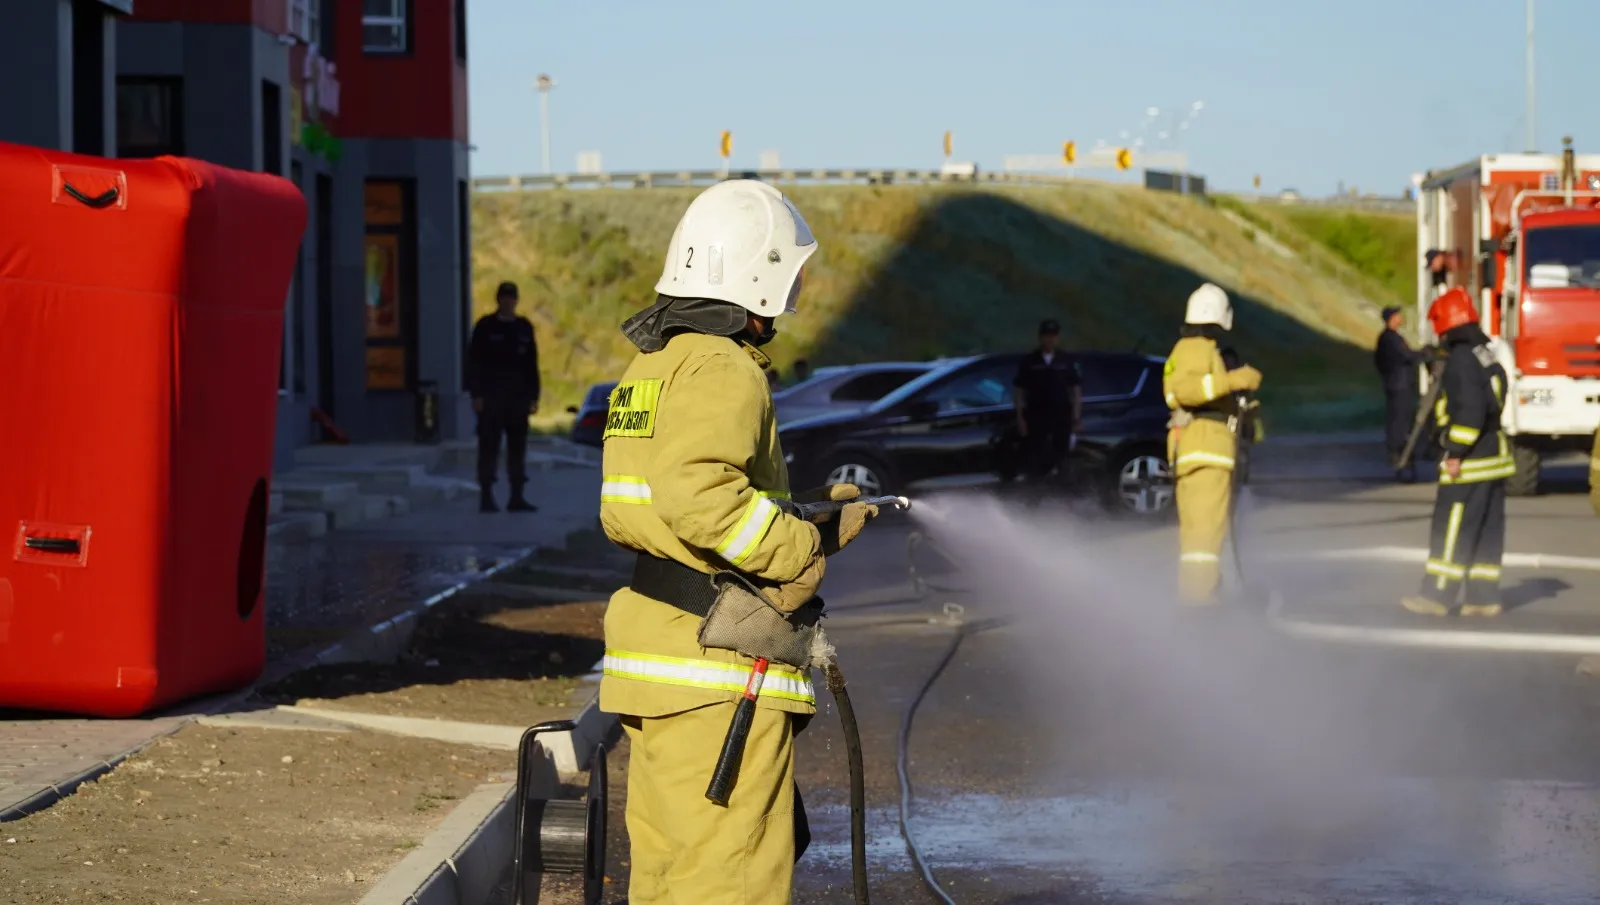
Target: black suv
958	419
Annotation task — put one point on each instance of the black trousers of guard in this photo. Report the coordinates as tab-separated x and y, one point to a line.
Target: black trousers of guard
1469	539
506	418
1048	442
1401	403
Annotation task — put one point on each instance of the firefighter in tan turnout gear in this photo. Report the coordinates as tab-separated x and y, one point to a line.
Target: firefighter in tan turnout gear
694	483
1202	438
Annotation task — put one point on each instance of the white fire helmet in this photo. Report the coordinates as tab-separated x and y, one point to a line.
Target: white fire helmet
1209	305
740	241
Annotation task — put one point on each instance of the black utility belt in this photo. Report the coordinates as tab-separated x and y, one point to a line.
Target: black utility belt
673	583
1211	415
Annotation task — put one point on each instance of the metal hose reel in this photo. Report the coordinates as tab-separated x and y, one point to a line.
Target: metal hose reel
558	836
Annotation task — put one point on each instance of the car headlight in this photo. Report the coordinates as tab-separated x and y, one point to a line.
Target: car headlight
1536	397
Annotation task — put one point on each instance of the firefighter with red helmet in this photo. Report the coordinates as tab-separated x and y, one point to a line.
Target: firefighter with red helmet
1469	514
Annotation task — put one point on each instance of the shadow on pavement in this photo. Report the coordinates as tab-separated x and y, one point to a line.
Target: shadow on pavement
1532	590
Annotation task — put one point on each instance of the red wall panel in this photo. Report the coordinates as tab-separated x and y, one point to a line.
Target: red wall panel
422	94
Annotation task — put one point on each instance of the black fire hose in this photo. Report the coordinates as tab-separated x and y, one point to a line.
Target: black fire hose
858	779
917	858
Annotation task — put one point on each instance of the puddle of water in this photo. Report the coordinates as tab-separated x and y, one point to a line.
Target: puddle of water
1462	842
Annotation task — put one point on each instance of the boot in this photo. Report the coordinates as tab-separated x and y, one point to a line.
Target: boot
486	499
517	503
1424	606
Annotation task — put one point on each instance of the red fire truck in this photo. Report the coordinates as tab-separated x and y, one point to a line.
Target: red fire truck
1522	233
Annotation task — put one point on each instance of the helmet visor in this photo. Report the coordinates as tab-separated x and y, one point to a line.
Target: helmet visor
794	291
802	232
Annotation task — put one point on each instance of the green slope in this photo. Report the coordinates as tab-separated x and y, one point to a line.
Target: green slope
922	271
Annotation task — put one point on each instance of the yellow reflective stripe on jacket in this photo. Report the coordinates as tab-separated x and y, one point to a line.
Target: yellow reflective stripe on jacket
1460	433
750	529
781	682
1205	458
622	488
1199	557
1208	385
1476	471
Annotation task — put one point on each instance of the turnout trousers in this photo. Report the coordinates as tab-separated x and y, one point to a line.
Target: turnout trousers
1202	455
1467	543
688	851
1594	474
508	418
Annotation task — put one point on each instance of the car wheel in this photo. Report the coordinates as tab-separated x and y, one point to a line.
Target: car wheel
865	472
1141	484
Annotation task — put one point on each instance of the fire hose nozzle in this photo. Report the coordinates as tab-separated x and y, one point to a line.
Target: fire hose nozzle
827	510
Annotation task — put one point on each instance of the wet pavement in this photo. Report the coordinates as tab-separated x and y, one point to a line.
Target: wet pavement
320	590
1106	747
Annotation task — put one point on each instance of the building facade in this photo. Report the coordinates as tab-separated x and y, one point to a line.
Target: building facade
363	105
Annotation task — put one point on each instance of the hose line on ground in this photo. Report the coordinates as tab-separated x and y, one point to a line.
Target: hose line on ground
858	780
917	858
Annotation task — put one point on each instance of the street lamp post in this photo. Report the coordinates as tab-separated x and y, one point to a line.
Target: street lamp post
544	83
1533	136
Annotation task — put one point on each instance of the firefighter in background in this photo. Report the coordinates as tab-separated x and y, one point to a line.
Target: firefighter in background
692	469
1469	513
1201	441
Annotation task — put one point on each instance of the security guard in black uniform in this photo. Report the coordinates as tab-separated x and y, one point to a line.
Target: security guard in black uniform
1469	514
503	378
1049	403
1397	365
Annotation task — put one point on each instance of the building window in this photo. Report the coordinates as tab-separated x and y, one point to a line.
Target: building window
389	286
272	116
461	30
385	26
149	117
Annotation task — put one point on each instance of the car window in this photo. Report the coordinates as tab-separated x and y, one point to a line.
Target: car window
979	388
872	386
599	394
1109	377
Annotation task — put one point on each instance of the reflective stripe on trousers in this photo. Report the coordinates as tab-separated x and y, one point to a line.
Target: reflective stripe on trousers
782	682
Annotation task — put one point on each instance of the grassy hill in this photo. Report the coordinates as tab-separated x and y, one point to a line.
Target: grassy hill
922	271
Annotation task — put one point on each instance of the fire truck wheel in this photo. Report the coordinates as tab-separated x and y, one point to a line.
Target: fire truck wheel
1526	481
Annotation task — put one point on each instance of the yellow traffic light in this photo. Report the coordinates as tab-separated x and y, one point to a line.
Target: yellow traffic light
1069	152
1124	158
727	143
947	143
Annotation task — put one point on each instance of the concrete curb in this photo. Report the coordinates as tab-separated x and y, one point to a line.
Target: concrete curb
463	860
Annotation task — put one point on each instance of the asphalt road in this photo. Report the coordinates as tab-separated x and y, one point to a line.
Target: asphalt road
1104	746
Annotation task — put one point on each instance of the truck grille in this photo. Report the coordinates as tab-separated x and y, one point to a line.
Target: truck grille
1583	356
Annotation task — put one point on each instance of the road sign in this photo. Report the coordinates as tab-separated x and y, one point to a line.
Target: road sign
1069	152
727	144
947	143
1124	158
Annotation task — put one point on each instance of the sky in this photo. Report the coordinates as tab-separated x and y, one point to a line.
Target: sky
1308	94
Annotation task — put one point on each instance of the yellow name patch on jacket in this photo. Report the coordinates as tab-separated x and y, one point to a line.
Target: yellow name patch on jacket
632	410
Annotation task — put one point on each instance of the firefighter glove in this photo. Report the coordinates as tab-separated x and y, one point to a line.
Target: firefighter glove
840	531
746	620
1246	379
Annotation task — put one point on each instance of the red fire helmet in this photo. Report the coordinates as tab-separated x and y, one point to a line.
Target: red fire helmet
1451	309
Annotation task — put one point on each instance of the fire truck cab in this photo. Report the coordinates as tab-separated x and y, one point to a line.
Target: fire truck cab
1521	232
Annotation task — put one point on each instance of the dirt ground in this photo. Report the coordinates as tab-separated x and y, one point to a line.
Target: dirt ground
243	816
482	658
